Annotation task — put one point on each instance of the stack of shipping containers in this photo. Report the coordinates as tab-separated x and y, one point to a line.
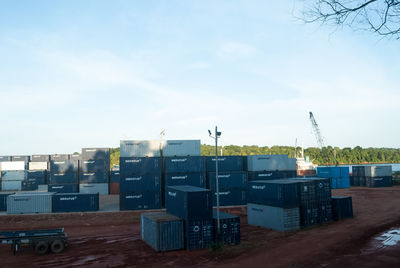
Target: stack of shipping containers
339	176
140	175
270	167
63	174
13	172
231	177
37	172
94	171
372	176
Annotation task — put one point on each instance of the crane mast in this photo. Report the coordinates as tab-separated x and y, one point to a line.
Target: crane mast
317	132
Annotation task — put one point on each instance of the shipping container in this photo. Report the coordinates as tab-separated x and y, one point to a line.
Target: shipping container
93	188
230	197
280	193
43	188
10	166
59	157
18	175
162	231
271	175
94	165
323	188
11	185
75	202
189	202
309	214
141	148
342	207
225	163
26	203
229	228
40	158
75	157
358	171
115	176
192	179
40	176
181	148
140	165
114	188
137	183
29	185
184	164
199	233
3	200
95	154
140	200
235	179
62	178
24	158
63	188
94	177
378	171
275	218
325	211
4	158
385	181
270	163
64	166
38	165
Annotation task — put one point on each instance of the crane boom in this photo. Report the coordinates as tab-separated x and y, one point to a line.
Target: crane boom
317	132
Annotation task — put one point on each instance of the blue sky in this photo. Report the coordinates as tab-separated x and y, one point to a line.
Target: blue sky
79	74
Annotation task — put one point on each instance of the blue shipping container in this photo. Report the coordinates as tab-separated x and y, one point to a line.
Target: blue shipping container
140	200
199	234
29	185
225	163
324	172
140	165
184	164
342	207
234	179
385	181
77	202
3	201
162	231
115	176
192	179
38	176
230	197
138	183
63	188
93	177
229	228
64	166
60	178
94	165
188	202
279	193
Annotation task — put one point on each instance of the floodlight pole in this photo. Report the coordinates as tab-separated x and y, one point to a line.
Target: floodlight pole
217	183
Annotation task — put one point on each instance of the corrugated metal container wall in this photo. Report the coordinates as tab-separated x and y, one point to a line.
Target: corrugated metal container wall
342	207
39	176
276	218
227	180
94	165
225	163
64	166
93	177
63	188
29	185
270	163
38	165
378	181
40	158
140	165
230	197
18	175
182	148
38	202
3	201
229	227
59	157
11	185
136	183
280	193
162	231
140	200
95	153
199	234
271	175
92	188
24	158
188	202
192	179
141	148
378	171
4	158
9	166
61	178
115	176
184	164
78	202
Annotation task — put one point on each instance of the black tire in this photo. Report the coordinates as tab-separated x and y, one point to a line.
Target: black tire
57	246
41	247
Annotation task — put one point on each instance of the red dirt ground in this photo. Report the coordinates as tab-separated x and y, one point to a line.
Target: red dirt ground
112	239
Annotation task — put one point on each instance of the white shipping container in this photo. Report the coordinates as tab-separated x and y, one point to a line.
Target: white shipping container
270	163
93	188
33	202
11	185
14	175
10	165
182	148
38	165
141	148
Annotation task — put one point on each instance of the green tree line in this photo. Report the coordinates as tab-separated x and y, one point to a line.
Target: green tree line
328	155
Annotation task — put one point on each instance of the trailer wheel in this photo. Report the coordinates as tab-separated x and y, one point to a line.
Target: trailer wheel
41	247
57	246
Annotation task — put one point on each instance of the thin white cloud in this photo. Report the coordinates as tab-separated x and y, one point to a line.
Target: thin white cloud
236	50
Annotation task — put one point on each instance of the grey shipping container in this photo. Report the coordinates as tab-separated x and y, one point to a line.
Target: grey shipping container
95	153
5	158
17	175
378	171
61	178
63	188
162	231
270	163
184	164
92	188
40	158
140	165
94	177
75	157
75	202
11	185
59	157
141	148
192	179
140	200
181	148
225	163
39	202
234	179
276	218
3	201
64	166
25	158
